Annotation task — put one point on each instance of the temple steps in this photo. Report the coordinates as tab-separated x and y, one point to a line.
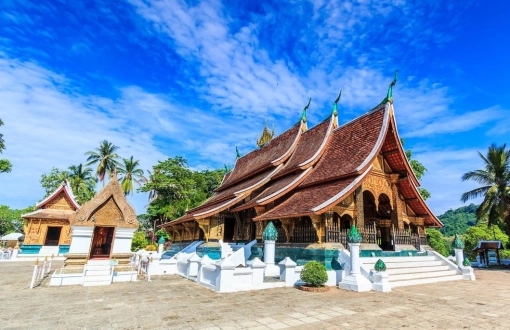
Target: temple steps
98	272
48	251
404	271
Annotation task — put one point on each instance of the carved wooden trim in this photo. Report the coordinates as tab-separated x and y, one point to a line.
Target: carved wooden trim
318	225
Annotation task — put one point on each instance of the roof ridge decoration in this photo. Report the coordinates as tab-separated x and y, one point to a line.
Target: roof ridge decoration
64	186
335	111
266	136
238	155
389	96
304	126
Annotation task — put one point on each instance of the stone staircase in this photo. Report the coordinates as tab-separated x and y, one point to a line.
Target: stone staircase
226	249
414	270
48	251
97	272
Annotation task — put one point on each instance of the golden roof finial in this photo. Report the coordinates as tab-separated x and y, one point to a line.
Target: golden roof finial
266	136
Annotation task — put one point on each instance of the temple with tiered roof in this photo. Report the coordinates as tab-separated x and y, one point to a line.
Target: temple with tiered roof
314	183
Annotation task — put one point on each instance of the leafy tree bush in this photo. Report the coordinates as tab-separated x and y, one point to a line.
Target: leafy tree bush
11	220
504	254
482	232
437	241
314	274
139	241
162	233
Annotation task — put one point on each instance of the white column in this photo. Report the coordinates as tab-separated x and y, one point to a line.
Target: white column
459	257
355	281
160	248
122	240
271	268
81	238
258	273
289	272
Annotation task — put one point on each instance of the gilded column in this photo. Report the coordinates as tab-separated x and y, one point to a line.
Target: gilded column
359	214
396	215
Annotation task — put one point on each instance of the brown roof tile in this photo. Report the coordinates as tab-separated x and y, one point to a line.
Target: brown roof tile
416	202
349	147
261	159
308	147
304	201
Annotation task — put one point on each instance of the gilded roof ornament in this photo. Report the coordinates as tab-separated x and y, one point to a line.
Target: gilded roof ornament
389	96
304	127
266	136
335	111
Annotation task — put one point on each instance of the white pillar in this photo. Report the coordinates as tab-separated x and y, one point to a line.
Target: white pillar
123	239
459	257
160	248
289	272
258	273
271	268
81	238
355	281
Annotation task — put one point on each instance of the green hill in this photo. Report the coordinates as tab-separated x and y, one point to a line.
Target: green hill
459	220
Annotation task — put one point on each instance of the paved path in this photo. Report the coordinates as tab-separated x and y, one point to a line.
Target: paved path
171	302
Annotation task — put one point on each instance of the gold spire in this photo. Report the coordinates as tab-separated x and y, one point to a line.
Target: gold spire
266	136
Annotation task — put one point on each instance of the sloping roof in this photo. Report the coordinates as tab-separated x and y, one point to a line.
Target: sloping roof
64	187
49	214
273	154
112	191
416	202
313	200
352	147
310	147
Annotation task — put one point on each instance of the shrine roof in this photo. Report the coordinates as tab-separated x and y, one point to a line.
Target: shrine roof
207	211
416	202
310	147
64	187
352	147
273	154
276	188
49	214
394	153
314	200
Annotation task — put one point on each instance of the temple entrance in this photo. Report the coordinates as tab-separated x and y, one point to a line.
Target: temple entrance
228	233
102	242
52	236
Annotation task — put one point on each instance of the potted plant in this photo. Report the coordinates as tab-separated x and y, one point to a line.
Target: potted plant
314	275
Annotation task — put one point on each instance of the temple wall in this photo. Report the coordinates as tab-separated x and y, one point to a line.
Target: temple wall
122	240
36	230
81	239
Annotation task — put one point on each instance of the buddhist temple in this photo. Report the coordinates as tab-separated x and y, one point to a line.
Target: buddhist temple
102	228
47	230
314	183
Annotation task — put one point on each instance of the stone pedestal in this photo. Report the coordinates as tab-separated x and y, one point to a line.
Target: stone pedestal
355	281
381	282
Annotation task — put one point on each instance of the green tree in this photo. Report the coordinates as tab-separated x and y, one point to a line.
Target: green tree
494	179
139	241
437	241
459	220
5	164
105	157
419	170
482	232
130	173
51	181
82	182
174	188
11	220
80	179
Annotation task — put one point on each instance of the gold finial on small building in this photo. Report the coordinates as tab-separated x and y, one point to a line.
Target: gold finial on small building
266	136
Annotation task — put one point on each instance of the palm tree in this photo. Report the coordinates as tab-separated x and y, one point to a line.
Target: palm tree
81	178
106	158
495	181
130	174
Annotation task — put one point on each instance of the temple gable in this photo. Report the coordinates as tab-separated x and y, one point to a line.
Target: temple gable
59	202
107	214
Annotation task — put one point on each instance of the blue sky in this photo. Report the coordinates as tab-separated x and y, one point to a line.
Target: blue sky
197	78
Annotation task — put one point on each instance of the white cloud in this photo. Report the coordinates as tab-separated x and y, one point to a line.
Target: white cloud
443	177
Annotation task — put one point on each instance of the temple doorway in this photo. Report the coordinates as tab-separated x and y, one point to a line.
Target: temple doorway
53	236
228	234
102	242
